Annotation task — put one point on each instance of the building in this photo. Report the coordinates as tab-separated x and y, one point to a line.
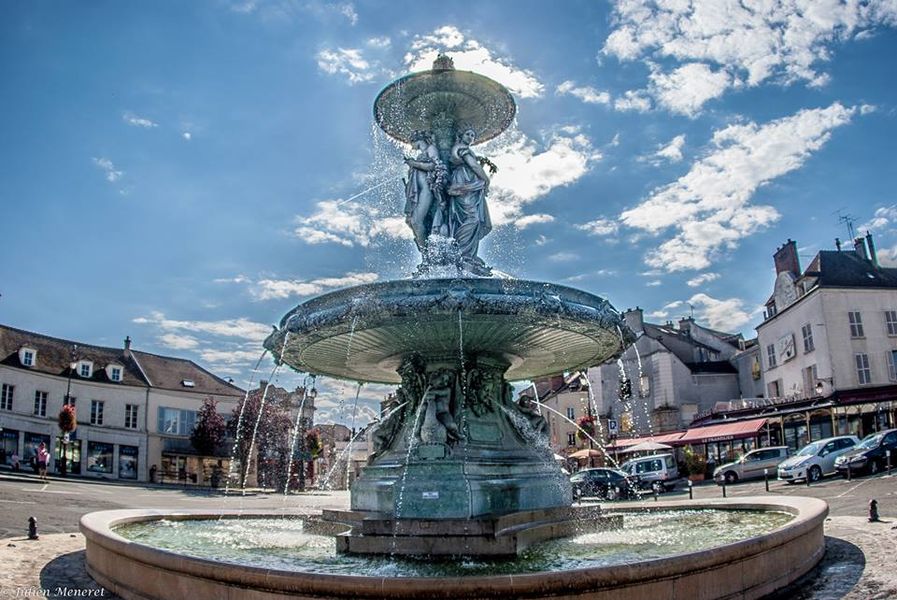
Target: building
135	410
668	376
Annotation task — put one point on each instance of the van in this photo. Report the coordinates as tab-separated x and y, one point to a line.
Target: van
658	471
752	465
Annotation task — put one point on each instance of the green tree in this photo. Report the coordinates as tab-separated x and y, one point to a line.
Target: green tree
208	433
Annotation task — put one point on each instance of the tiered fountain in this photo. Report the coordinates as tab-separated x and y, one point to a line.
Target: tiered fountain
459	468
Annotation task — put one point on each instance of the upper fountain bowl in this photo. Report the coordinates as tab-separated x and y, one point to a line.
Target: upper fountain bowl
534	328
444	98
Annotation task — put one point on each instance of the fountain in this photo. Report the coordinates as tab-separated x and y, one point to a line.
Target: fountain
461	473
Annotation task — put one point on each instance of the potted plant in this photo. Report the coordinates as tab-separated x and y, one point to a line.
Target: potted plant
696	464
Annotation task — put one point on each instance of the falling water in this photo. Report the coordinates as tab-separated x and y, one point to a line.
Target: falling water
354	435
536	396
584	432
258	417
593	405
239	431
294	436
362	193
411	438
351	335
638	383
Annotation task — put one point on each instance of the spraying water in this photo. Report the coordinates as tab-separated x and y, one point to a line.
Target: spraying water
354	435
411	445
294	435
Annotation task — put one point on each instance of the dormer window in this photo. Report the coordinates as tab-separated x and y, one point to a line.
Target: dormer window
114	372
188	383
28	357
85	369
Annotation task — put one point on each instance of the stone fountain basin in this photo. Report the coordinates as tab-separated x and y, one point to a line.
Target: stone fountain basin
363	332
747	569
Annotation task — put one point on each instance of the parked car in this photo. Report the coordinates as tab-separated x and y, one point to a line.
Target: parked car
871	455
751	465
609	484
816	459
658	471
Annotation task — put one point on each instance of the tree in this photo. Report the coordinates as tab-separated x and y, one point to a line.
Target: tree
272	438
208	433
67	422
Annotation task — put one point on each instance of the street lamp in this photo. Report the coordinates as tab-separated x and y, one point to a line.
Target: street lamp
73	364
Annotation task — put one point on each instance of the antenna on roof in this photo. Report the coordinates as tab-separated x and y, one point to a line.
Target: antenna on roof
848	220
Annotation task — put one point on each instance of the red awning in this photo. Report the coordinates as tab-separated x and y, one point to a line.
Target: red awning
723	432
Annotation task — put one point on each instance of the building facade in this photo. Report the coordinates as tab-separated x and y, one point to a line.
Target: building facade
133	407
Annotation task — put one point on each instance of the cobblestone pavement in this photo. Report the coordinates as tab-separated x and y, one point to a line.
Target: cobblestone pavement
858	565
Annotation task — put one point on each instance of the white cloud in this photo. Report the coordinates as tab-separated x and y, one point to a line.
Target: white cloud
587	94
884	218
710	205
749	43
187	135
600	226
702	279
239	328
887	257
348	11
349	224
671	152
136	121
729	314
267	289
237	279
470	55
527	220
654	283
229	357
379	42
349	62
563	257
178	342
633	100
112	174
685	90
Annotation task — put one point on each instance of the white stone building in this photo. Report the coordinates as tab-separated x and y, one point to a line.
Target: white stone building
133	408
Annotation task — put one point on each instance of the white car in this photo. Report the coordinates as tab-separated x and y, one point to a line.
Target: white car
816	459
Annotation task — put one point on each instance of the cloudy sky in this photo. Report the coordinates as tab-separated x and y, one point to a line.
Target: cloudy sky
185	173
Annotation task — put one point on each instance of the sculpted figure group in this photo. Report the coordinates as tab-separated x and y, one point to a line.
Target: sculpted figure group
449	200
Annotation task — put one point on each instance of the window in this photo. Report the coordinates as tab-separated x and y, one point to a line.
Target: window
6	396
40	403
856	324
131	416
99	457
127	461
84	369
810	379
864	373
571	413
892	365
891	321
807	332
176	421
115	374
96	412
770	356
571	439
28	358
773	389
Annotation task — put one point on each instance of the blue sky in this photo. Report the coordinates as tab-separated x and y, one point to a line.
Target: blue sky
171	171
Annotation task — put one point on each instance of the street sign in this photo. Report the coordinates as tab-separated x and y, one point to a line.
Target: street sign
612	426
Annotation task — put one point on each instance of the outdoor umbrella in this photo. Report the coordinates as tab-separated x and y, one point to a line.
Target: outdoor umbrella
585	453
647	447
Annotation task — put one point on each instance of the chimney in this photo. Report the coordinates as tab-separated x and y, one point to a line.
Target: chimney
127	345
838	244
635	320
872	256
859	246
685	325
786	259
263	383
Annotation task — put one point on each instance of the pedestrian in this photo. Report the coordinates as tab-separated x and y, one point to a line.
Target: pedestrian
43	457
15	461
153	474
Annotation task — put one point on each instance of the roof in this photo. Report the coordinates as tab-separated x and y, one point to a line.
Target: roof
682	345
714	366
54	355
848	269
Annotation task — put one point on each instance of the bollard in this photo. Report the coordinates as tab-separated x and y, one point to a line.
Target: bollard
888	454
848	471
724	487
32	528
807	477
655	493
766	478
873	511
691	495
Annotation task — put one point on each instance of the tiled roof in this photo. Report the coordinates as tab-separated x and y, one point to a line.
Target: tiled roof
54	356
139	368
170	373
848	269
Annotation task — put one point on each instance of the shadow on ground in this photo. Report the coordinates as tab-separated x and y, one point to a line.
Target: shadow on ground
66	577
834	577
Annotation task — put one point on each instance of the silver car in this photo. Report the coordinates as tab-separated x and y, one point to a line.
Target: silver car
816	459
751	465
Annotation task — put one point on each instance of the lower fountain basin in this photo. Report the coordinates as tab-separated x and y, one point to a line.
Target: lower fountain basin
751	567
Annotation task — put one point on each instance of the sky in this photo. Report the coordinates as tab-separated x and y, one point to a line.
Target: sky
186	173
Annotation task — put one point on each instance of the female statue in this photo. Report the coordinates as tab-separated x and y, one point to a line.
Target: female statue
424	203
469	220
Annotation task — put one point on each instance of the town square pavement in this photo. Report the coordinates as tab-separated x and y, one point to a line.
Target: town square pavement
858	565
